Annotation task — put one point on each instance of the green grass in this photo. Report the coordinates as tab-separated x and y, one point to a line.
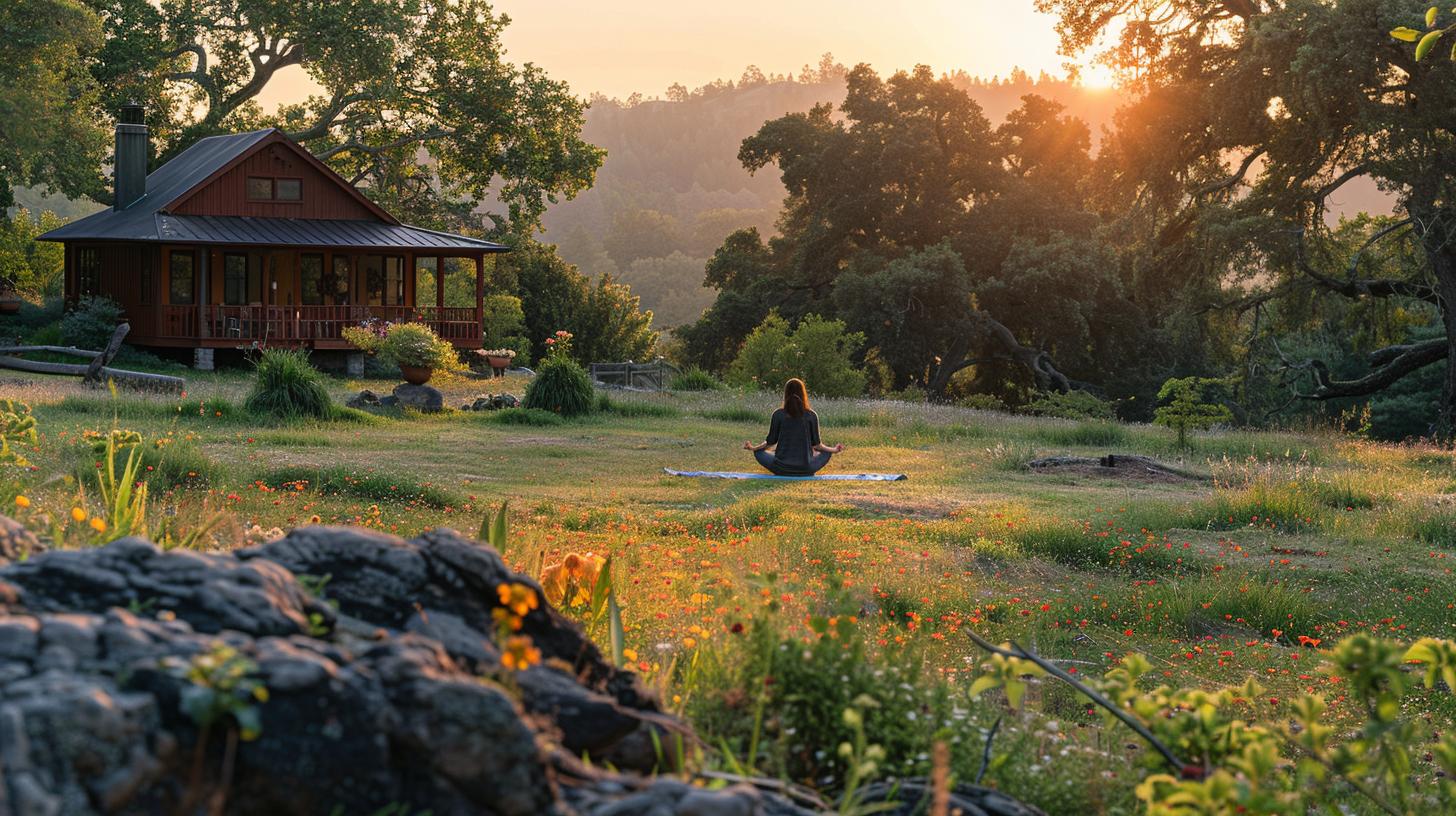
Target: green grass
370	485
1294	532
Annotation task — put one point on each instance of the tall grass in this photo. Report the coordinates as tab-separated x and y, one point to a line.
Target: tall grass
735	413
289	387
635	408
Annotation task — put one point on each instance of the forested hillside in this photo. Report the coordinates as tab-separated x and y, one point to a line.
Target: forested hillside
672	187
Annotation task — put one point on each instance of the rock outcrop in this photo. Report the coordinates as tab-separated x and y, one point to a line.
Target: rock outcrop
385	691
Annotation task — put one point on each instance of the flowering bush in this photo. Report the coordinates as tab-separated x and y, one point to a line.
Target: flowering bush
406	344
558	346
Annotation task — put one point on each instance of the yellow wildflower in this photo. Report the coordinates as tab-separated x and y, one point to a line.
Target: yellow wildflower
519	653
78	514
504	617
22	502
579	572
518	598
98	525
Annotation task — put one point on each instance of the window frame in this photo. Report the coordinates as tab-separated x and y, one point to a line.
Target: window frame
316	298
277	198
172	256
248	188
229	279
88	271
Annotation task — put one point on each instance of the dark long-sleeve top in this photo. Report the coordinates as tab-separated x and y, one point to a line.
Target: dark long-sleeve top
793	438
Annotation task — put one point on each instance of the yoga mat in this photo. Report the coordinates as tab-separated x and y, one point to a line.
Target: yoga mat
828	477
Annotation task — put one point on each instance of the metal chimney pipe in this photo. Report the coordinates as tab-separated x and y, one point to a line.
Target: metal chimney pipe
133	147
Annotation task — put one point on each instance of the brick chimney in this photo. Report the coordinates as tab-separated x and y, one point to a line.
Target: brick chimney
133	146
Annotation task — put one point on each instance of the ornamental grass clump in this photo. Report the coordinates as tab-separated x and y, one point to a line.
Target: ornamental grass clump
289	387
561	385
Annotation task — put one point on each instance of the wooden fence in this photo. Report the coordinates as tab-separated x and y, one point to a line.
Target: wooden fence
653	376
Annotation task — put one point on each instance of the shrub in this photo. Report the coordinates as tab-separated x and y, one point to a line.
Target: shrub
91	323
561	387
818	351
404	344
287	386
1071	405
695	379
1187	406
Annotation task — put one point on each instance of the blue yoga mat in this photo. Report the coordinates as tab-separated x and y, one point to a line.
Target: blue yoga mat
829	477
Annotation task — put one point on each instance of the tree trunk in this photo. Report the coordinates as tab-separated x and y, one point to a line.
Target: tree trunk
1445	271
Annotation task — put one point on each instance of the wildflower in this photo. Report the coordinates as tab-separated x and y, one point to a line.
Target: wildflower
98	525
519	653
518	598
578	572
78	515
504	618
22	502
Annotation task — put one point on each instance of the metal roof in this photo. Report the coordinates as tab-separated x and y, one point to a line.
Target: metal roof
188	169
146	219
306	232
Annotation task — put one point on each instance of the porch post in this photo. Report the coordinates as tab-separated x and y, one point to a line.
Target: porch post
479	294
439	285
204	277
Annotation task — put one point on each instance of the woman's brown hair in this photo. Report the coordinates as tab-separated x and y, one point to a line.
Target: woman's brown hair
796	398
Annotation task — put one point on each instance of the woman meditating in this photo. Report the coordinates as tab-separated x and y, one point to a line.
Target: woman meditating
793	434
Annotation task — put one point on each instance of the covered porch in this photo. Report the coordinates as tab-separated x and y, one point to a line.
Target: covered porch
225	297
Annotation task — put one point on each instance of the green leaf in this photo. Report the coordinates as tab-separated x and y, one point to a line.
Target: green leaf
1430	16
1405	34
602	589
1424	46
614	626
984	683
496	536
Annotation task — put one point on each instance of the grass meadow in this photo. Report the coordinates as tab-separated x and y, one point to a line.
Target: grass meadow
1286	538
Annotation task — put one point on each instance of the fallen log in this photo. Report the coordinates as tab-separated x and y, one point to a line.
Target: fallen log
93	373
139	379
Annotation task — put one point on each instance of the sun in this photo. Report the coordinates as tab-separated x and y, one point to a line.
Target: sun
1097	76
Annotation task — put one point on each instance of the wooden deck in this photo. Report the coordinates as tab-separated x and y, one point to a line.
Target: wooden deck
318	327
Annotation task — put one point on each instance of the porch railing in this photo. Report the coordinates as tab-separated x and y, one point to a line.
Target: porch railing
308	325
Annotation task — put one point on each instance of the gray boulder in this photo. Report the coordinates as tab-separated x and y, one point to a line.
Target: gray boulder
423	398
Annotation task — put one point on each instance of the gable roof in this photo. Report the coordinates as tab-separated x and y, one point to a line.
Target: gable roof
149	218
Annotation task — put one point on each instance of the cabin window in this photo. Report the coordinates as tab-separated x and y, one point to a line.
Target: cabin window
88	272
374	279
340	288
182	269
288	190
394	279
260	189
311	278
234	279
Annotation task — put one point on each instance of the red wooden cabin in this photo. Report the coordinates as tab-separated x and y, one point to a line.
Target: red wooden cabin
248	238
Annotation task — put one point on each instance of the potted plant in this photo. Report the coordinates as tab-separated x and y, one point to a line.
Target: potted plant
414	347
9	299
499	359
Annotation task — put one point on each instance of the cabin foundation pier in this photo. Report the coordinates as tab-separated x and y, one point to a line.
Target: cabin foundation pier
354	364
202	359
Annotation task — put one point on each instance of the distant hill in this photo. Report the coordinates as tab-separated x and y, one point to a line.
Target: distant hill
672	188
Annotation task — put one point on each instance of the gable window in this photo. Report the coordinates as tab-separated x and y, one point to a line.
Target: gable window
288	190
260	189
181	268
88	272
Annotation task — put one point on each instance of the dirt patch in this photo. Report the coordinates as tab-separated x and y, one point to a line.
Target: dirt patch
1126	467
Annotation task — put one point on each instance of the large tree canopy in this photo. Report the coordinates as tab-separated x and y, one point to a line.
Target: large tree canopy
1250	115
49	134
947	242
399	80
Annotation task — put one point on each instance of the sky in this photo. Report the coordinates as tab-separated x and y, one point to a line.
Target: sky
624	46
645	45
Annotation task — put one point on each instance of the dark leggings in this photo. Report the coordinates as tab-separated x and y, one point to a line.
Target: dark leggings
772	464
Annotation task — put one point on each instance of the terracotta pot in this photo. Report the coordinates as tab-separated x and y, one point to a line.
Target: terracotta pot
499	363
416	375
